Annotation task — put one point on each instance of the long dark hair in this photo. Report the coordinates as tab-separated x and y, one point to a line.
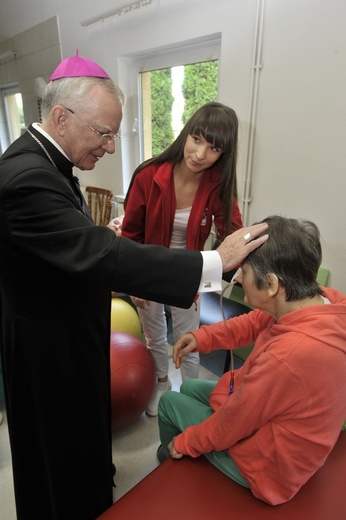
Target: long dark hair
218	125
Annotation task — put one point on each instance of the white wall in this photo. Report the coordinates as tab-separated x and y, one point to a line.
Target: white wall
37	52
299	155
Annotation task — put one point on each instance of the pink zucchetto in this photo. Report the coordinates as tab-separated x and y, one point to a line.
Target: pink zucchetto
76	66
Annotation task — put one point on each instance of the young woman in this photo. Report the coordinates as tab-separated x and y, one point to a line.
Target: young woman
173	200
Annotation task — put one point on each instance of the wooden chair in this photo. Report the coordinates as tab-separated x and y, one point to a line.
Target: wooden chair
100	204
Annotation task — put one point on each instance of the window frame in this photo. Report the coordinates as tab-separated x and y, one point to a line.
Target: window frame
129	67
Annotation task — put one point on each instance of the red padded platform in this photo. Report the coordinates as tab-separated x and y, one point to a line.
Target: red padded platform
189	489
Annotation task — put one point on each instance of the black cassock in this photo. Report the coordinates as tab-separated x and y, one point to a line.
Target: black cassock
56	272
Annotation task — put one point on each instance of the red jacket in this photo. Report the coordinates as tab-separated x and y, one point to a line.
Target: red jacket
151	206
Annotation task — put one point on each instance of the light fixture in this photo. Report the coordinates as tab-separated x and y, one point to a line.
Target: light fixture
117	11
7	54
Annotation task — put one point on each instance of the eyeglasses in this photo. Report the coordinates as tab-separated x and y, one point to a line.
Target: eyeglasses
105	138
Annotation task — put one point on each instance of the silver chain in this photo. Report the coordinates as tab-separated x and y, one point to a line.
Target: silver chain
55	166
43	148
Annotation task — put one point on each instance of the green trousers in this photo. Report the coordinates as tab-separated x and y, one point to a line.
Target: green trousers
177	411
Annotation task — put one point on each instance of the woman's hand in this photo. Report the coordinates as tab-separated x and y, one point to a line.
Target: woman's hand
139	302
115	225
173	452
186	343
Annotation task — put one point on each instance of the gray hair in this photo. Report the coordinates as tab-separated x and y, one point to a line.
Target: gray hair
293	253
71	91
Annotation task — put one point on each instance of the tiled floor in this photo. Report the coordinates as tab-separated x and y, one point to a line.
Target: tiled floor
134	451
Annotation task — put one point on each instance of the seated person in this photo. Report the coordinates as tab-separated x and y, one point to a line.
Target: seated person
271	424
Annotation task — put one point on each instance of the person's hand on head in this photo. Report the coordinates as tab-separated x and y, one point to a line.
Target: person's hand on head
237	246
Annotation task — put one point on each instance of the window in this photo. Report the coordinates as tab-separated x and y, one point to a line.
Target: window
169	97
14	112
142	132
12	108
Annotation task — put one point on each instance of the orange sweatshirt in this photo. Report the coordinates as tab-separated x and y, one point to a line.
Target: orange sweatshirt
289	399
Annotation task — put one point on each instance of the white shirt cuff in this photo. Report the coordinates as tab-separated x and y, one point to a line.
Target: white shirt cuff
211	272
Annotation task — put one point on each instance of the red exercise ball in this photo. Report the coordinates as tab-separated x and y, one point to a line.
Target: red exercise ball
133	378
